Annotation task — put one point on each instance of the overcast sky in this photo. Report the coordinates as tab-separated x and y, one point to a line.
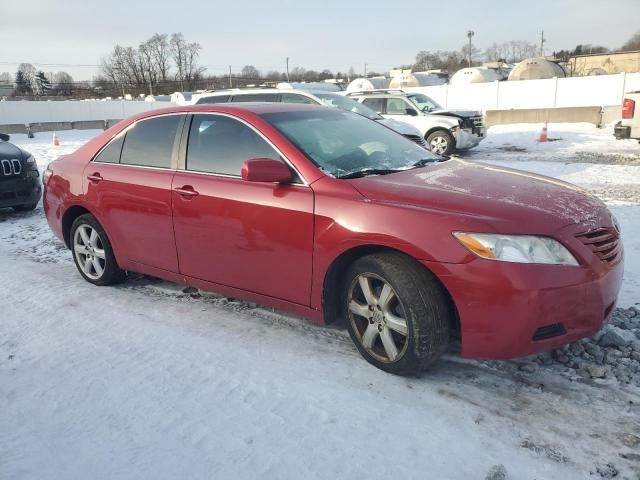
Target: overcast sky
315	35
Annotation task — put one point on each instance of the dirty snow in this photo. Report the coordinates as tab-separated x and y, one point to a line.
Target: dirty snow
145	380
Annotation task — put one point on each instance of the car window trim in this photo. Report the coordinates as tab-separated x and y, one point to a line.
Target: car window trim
174	150
182	157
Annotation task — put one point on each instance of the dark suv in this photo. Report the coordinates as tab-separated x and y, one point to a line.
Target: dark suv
20	186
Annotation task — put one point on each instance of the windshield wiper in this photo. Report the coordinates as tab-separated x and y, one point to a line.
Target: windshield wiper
370	171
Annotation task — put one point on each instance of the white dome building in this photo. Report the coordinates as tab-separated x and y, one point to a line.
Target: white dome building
473	75
536	69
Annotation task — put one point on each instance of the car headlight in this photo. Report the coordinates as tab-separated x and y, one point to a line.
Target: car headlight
516	248
616	223
30	160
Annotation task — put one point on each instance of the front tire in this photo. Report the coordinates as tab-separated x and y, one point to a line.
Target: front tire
25	208
397	313
92	252
441	142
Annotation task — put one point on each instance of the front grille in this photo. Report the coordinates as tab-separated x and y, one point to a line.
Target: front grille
604	242
418	139
10	169
549	331
476	124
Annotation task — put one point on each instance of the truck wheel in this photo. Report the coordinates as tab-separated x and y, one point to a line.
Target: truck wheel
397	313
441	142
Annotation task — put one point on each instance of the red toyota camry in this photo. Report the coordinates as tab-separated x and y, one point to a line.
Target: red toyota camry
331	216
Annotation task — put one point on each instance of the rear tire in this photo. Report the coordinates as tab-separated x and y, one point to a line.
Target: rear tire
401	325
92	252
441	142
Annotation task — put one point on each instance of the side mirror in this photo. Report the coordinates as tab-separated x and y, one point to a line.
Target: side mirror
412	112
265	170
5	137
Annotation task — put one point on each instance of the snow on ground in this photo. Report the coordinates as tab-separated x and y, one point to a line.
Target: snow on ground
144	380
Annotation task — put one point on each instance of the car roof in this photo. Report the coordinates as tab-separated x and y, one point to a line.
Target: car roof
257	108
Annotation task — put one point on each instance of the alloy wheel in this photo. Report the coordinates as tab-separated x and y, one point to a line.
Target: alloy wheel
439	145
378	317
89	251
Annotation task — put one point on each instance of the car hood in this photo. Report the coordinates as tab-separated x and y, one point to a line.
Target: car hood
457	113
9	150
400	127
505	200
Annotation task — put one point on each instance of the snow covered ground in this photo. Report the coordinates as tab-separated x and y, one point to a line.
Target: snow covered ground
146	380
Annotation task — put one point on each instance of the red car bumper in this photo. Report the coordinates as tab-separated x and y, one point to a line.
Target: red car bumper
509	310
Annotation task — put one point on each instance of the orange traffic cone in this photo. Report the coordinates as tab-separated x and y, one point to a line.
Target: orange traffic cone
56	142
544	135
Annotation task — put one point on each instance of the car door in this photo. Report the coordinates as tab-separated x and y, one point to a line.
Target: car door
400	109
128	185
248	235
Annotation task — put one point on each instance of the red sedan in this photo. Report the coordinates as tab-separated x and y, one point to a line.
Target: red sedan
331	216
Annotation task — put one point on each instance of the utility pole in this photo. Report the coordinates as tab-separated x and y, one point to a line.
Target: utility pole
365	70
470	35
230	81
542	42
287	69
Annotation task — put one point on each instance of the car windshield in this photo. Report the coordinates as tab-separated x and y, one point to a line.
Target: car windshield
348	104
343	144
424	103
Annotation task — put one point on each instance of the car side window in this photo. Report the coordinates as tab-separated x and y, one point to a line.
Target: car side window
111	153
214	99
220	144
397	106
150	142
295	98
255	97
375	104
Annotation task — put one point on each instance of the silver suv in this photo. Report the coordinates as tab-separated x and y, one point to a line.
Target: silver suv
444	130
288	95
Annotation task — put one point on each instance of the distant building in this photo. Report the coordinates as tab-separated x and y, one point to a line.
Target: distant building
600	63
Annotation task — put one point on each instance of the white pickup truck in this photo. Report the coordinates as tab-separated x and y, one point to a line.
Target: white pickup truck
629	126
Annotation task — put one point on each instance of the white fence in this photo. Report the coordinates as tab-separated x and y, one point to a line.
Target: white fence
72	111
603	90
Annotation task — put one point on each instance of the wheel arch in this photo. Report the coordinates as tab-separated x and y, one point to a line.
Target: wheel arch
68	218
438	128
331	291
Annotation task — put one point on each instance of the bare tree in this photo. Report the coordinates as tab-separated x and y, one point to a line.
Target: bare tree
185	56
158	46
6	78
250	72
632	44
62	83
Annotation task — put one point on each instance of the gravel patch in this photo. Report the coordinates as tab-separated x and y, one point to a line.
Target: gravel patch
611	354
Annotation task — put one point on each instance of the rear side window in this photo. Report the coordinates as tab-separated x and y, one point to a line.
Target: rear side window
375	104
111	153
216	99
256	97
150	142
295	98
396	106
219	144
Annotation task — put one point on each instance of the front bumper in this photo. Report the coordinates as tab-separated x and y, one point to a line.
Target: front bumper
504	307
622	132
466	139
21	191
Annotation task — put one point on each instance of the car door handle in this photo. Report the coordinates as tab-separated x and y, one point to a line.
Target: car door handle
95	177
186	191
